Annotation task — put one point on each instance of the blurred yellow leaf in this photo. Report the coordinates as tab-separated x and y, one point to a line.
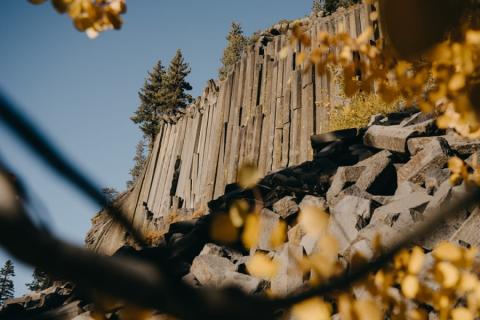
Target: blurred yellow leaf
262	266
251	232
313	220
279	234
417	258
447	274
312	309
410	286
447	251
367	310
461	314
248	176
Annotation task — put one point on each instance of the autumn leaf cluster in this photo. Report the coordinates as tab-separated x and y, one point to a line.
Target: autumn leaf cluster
91	16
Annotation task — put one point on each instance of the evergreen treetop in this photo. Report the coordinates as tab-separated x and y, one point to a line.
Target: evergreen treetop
176	83
232	53
152	102
40	281
140	160
7	273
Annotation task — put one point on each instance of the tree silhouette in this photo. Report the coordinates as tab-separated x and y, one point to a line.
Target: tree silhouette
7	273
236	42
40	281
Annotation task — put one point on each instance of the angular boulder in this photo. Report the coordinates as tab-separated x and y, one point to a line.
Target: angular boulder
393	138
289	276
210	270
285	207
347	217
433	155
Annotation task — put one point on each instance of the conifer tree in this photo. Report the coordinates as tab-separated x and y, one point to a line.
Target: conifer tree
6	283
317	6
152	102
40	281
140	160
176	84
232	53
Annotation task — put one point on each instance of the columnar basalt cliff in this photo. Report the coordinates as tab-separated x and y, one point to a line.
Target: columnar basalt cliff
263	113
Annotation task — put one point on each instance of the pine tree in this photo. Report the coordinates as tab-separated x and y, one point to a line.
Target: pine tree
6	283
317	6
232	53
140	160
330	6
176	84
152	102
41	281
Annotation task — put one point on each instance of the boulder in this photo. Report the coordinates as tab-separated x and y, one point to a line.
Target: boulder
313	201
393	138
285	207
434	178
379	175
342	177
433	155
412	204
210	270
467	233
320	141
244	282
347	217
268	222
289	276
463	146
406	188
295	234
415	145
447	228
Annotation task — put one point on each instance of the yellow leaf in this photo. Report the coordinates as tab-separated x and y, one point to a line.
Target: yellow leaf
367	310
410	286
248	176
251	232
468	282
472	37
312	309
279	234
365	36
300	58
447	274
417	315
345	307
447	251
374	16
284	52
238	211
417	258
457	82
461	314
262	266
313	220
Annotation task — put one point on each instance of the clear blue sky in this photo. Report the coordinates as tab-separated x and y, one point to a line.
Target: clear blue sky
82	92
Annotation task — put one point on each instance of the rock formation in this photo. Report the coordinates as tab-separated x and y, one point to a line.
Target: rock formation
381	179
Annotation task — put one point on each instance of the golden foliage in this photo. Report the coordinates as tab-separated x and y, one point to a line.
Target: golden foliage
358	110
369	67
91	16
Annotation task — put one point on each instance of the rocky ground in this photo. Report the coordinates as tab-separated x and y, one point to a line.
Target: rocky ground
381	179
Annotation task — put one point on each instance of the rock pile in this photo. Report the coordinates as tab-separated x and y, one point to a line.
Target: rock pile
381	179
376	180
